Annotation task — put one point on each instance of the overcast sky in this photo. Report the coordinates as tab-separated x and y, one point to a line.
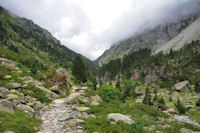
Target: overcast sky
89	27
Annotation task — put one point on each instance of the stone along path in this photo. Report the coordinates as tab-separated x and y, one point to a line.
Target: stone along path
62	117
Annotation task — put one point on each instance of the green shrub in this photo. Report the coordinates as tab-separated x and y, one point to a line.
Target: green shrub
197	86
109	93
166	84
89	84
198	102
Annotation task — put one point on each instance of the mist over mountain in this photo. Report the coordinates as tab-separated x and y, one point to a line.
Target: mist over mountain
92	27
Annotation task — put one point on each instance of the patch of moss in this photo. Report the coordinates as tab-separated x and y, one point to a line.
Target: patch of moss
19	122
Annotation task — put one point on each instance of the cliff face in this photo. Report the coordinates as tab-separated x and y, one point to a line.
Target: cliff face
152	38
192	32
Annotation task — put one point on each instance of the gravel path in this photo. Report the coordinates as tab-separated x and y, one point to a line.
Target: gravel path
62	117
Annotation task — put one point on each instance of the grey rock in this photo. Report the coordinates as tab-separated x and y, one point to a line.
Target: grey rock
13	85
120	117
184	130
186	119
25	108
183	86
6	106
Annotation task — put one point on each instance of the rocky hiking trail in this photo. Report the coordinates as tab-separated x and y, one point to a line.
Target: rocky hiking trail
62	117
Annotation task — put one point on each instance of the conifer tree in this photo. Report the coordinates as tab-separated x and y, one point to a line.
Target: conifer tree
155	95
180	107
79	69
147	97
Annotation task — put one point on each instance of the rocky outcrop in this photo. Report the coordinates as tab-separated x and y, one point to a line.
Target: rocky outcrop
4	92
183	86
136	74
184	130
25	108
10	64
6	106
120	117
187	120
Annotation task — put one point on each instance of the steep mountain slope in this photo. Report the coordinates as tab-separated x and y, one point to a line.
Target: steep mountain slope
151	38
33	45
192	32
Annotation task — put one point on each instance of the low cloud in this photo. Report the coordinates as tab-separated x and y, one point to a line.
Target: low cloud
90	27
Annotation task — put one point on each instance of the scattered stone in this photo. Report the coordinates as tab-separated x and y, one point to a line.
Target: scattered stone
80	121
6	106
120	117
138	101
96	98
184	130
9	132
183	86
8	77
186	119
170	111
4	92
83	109
13	85
83	100
15	92
73	124
83	88
95	103
25	108
145	117
92	116
153	127
12	97
61	71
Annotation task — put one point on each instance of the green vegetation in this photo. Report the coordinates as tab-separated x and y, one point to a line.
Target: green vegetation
35	92
147	97
25	42
167	68
109	93
180	107
198	102
19	122
79	69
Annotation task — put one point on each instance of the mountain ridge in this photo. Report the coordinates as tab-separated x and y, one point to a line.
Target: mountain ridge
151	38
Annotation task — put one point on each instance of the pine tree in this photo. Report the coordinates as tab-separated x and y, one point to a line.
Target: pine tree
155	95
118	85
79	69
147	97
180	107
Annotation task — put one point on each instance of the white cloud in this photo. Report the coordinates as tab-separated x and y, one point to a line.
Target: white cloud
90	27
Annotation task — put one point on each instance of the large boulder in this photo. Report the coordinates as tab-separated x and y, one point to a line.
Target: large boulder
95	103
25	108
29	79
50	93
96	98
11	97
4	92
10	64
183	86
184	130
120	117
6	106
61	71
13	85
